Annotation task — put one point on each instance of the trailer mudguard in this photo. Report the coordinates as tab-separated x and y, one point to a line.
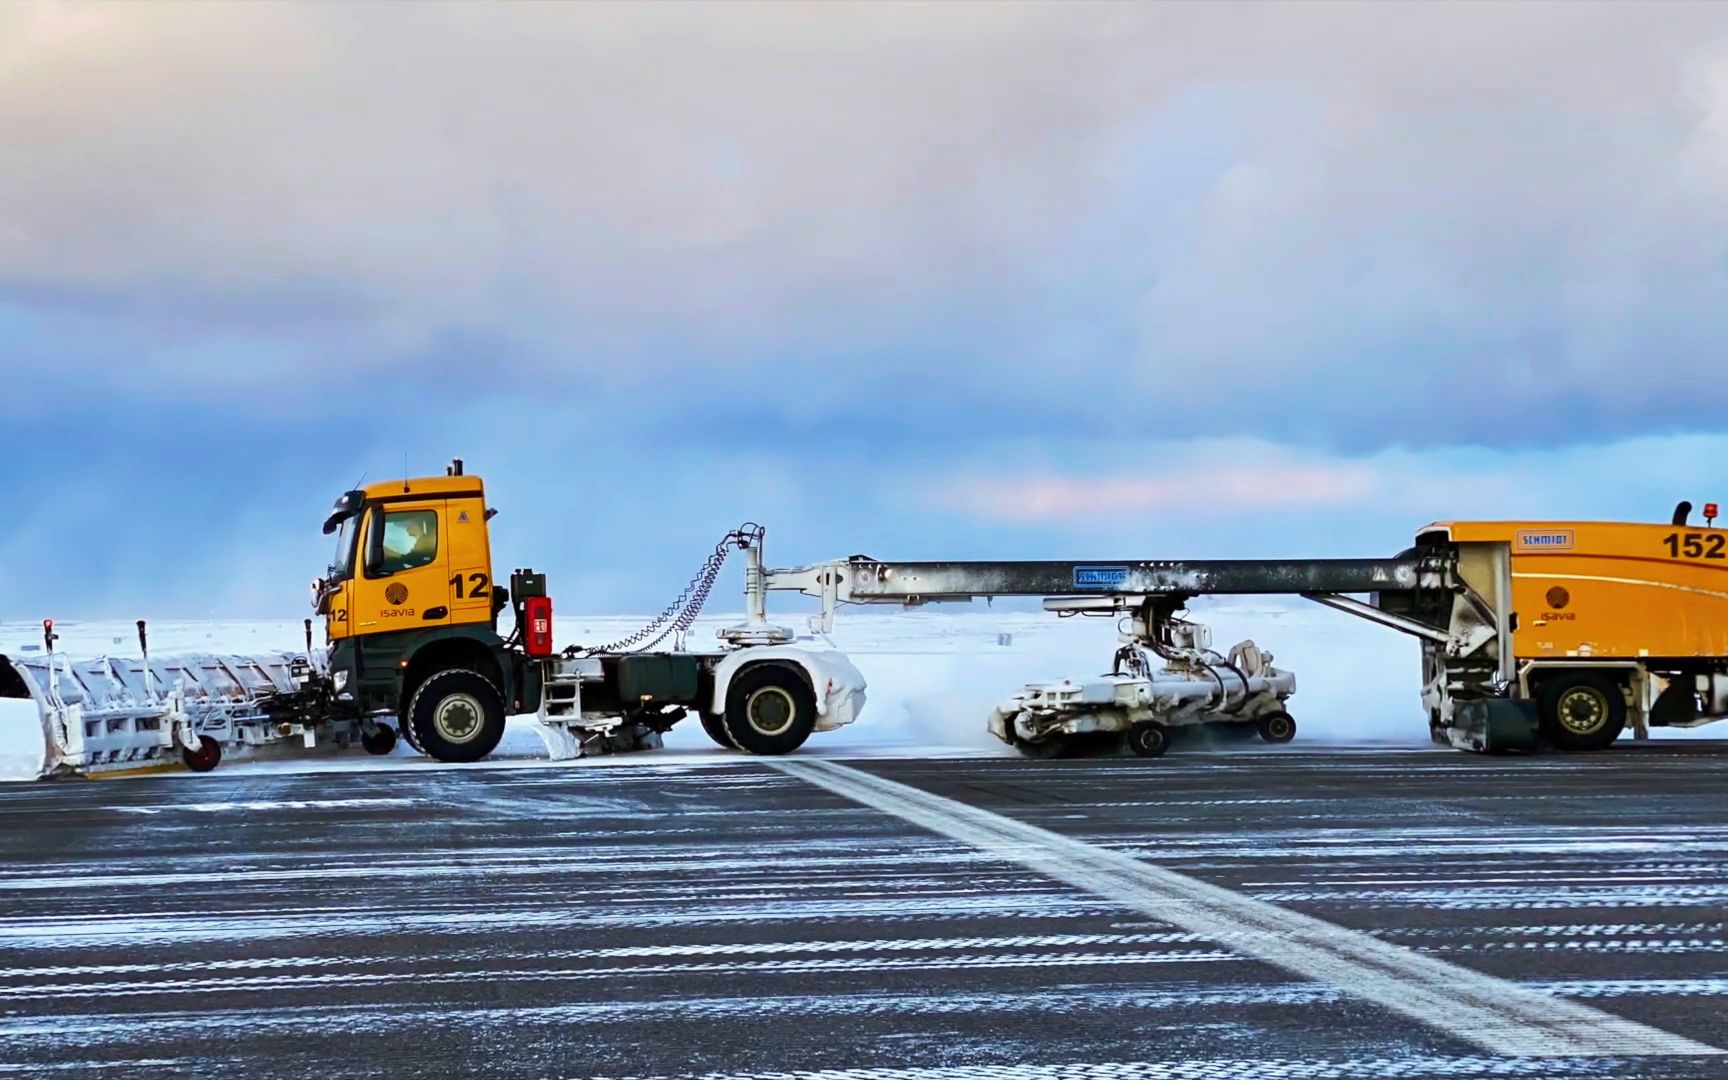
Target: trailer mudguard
839	686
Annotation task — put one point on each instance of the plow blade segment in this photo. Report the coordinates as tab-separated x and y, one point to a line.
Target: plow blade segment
23	740
112	713
1494	726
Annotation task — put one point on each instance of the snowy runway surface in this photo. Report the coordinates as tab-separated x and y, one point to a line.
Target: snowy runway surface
720	915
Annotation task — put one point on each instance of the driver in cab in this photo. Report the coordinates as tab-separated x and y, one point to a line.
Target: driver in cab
410	541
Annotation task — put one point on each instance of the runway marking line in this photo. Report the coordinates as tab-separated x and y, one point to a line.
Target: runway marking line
1494	1014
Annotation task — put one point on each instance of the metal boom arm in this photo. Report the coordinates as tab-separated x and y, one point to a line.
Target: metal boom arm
868	580
863	580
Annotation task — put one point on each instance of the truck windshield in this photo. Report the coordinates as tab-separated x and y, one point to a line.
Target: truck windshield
342	564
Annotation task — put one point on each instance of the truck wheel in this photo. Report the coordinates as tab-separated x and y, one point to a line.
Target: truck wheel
1148	740
1582	710
457	715
406	730
206	757
769	710
381	740
1278	727
715	726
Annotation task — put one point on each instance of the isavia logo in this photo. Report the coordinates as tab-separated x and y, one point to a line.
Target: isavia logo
397	594
1100	577
1545	540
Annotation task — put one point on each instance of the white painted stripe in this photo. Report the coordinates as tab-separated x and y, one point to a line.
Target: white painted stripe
1416	1067
1495	1014
1643	583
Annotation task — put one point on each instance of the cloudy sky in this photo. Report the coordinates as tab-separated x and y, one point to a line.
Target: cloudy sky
917	280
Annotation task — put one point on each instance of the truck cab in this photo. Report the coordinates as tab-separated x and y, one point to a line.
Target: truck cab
413	554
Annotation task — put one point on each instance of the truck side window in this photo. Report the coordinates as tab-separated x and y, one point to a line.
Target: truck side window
410	541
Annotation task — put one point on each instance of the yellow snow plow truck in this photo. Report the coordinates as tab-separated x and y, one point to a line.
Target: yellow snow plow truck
411	614
1562	633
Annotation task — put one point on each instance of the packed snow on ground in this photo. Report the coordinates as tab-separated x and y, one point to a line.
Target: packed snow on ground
934	673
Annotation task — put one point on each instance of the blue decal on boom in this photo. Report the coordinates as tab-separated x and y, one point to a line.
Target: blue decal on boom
1100	577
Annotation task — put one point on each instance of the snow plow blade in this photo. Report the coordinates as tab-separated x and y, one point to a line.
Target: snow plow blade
1494	726
60	716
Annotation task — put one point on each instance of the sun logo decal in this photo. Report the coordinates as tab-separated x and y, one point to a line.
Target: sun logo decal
397	594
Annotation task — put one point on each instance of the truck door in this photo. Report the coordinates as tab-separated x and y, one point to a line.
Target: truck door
404	576
470	578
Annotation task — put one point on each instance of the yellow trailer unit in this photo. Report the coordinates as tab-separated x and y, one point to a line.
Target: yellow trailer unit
1599	625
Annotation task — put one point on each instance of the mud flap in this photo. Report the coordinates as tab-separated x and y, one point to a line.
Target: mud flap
560	743
566	743
1493	726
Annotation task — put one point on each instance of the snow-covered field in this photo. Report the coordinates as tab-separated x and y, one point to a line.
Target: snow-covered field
934	674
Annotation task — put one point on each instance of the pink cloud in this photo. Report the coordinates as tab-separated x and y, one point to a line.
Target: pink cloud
1051	498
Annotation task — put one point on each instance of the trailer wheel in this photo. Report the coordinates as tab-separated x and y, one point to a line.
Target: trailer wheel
1278	727
1148	739
381	740
457	715
715	726
1582	710
206	757
770	709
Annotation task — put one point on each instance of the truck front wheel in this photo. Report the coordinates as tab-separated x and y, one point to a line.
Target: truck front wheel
1582	710
456	715
769	710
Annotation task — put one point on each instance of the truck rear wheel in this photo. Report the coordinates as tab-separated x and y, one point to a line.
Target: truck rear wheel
769	710
715	726
457	716
1582	710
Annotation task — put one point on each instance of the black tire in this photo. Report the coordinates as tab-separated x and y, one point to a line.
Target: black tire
406	730
206	757
770	710
1148	739
1582	710
381	741
715	726
456	716
1278	727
